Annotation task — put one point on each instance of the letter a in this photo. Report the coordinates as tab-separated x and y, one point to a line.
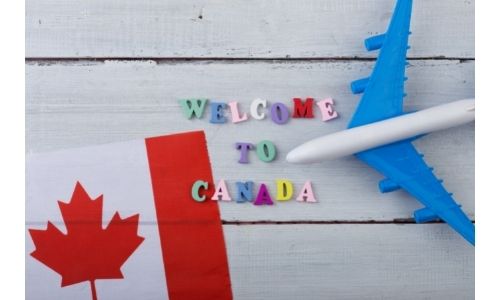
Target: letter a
263	196
221	192
306	194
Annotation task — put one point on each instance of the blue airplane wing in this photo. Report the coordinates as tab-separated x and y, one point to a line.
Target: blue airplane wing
384	89
405	168
400	162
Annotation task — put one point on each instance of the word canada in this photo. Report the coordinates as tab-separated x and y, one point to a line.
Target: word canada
284	192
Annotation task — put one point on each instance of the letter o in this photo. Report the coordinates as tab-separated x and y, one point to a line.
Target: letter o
266	151
279	113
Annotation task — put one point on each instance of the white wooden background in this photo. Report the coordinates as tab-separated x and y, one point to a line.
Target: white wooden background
106	71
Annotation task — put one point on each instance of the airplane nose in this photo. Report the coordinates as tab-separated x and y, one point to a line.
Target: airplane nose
302	154
293	157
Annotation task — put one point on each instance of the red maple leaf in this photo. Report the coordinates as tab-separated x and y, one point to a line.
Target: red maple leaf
87	251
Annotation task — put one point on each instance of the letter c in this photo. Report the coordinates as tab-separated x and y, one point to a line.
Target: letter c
195	191
254	109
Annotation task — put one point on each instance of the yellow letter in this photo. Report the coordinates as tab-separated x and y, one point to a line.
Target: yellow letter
284	189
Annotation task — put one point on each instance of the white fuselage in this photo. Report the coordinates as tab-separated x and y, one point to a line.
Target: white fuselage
358	139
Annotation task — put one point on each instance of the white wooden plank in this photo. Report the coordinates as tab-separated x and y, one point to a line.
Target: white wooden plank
349	262
70	105
308	262
200	28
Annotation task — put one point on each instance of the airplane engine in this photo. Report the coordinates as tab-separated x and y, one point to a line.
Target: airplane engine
424	215
359	86
375	42
387	185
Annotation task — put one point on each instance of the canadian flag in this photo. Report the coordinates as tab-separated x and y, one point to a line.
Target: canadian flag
117	222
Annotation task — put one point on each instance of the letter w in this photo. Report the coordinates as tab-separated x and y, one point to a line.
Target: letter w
193	107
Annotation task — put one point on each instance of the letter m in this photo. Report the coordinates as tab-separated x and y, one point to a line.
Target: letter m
303	110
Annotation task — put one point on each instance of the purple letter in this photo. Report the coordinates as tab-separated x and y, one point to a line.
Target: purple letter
244	147
263	196
279	113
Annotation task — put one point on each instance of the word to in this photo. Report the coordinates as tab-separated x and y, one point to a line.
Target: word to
266	151
284	192
278	111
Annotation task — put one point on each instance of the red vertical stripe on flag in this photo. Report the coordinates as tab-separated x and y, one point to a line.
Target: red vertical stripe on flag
192	240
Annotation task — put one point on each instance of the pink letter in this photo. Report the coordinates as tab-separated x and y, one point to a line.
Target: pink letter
327	110
235	113
306	194
221	191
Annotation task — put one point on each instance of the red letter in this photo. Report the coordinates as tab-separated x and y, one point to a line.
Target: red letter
302	110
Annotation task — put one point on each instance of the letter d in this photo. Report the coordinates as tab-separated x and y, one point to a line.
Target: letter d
284	190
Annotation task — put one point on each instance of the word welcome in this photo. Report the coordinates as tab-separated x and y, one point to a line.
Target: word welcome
280	114
284	192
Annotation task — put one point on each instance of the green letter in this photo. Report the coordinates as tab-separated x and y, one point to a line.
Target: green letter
195	191
193	107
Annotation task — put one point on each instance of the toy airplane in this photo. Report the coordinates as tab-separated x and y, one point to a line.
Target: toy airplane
380	133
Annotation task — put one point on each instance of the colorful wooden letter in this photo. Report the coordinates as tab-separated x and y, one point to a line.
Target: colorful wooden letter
266	151
303	110
254	108
194	107
263	197
235	113
195	190
244	148
328	112
306	194
221	192
284	189
217	112
245	191
279	113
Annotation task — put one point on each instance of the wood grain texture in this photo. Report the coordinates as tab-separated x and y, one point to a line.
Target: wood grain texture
85	103
295	262
349	262
249	29
74	103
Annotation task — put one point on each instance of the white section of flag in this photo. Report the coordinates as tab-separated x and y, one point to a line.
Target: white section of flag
120	172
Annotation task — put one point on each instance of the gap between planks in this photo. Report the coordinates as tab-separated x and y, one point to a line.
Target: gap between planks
163	60
409	221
